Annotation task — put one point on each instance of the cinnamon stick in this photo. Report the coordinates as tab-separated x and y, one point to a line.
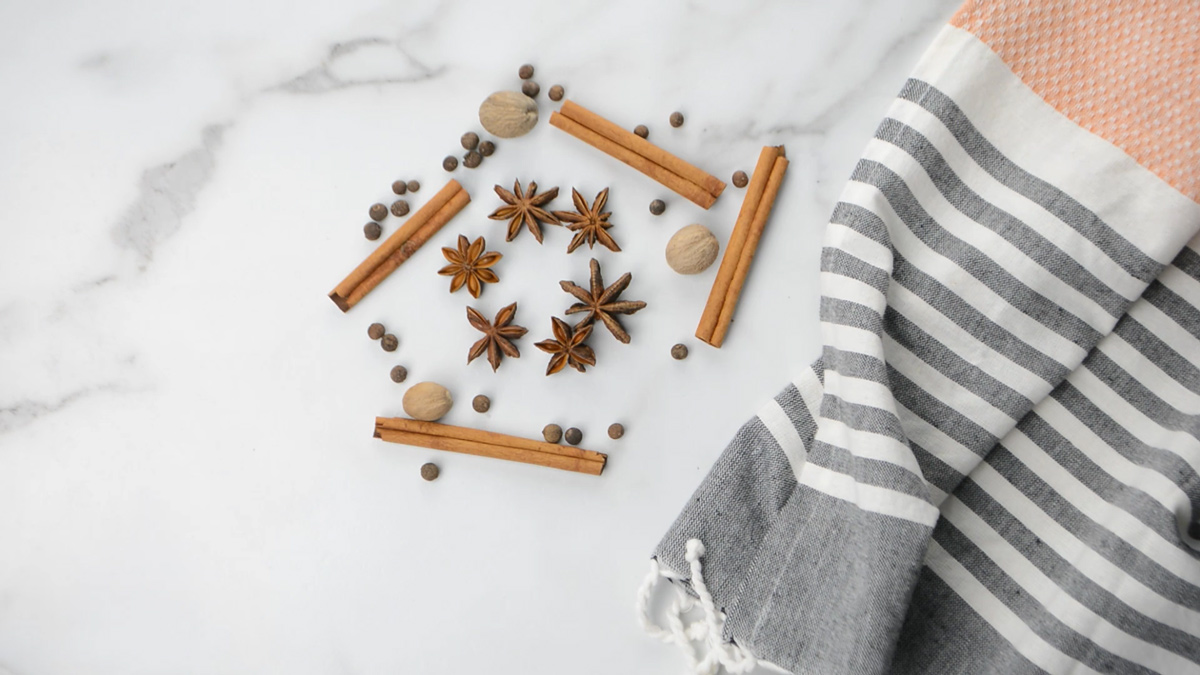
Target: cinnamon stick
400	245
693	192
488	444
641	146
737	241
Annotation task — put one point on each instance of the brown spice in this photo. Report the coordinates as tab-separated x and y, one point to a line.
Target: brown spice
641	130
413	186
429	471
552	433
676	119
399	187
616	431
525	72
573	436
481	403
378	212
679	352
603	304
372	230
740	179
657	207
497	335
470	265
525	207
555	93
450	163
469	140
486	148
531	89
472	159
375	331
399	374
400	208
389	343
589	223
567	348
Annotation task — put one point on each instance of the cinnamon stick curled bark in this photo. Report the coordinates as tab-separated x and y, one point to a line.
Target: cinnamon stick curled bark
400	245
488	444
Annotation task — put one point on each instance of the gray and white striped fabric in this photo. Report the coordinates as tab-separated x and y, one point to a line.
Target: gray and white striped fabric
994	466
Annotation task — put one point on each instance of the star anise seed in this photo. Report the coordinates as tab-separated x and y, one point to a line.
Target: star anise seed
469	266
568	348
497	335
525	208
590	224
602	303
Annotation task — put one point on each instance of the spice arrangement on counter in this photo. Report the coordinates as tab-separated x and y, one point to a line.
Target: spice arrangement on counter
691	250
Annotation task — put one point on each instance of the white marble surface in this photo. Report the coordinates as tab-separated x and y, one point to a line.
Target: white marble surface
188	482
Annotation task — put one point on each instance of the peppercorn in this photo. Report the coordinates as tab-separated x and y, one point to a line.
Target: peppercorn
555	93
573	436
450	163
481	403
399	187
676	119
389	343
472	159
525	72
377	212
530	89
429	471
616	431
679	352
486	148
400	208
552	433
375	331
372	230
740	179
399	374
641	130
470	140
657	207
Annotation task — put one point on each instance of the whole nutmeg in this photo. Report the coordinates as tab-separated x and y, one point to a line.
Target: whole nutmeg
525	72
389	342
399	374
552	433
676	119
377	212
555	93
616	431
641	130
450	163
430	471
657	207
413	186
740	179
530	89
486	148
481	403
399	187
692	249
372	230
470	140
679	352
375	331
400	208
427	401
472	159
573	436
508	114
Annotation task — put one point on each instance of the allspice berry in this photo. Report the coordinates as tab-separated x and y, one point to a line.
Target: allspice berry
413	186
481	403
615	431
389	342
555	93
375	331
525	72
641	130
531	89
740	179
450	163
372	230
552	433
470	140
427	401
400	208
657	207
472	159
486	148
399	187
677	119
399	374
679	352
378	212
573	436
429	471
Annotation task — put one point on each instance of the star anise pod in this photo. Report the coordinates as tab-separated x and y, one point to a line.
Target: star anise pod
568	348
590	224
525	208
469	265
602	303
497	335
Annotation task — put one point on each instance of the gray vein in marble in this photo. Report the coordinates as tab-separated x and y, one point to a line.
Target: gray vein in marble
166	195
26	412
324	77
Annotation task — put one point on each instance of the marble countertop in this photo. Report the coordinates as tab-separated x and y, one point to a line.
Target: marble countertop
188	482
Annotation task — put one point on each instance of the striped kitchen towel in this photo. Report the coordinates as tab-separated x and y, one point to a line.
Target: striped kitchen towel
994	467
